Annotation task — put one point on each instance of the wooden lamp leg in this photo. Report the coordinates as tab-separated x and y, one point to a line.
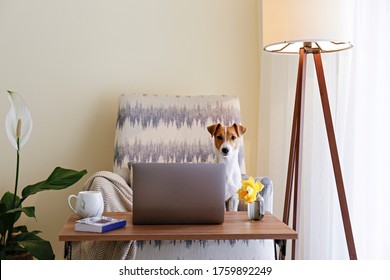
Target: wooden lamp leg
294	163
294	158
335	156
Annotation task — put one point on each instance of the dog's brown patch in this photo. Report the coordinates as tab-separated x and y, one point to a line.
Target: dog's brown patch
222	134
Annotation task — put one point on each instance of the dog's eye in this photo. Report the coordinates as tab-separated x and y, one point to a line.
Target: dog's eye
219	137
234	137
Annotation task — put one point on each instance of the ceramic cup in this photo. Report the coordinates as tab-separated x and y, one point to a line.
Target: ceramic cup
88	204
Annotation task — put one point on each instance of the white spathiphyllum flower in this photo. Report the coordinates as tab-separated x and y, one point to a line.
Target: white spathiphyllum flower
18	122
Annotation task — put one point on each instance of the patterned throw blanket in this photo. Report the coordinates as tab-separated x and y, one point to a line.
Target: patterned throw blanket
118	197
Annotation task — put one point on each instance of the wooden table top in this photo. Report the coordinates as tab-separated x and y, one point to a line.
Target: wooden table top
237	225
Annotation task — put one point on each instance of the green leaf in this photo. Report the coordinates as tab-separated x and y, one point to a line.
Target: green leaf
10	215
24	236
3	208
29	211
20	229
7	200
59	179
39	248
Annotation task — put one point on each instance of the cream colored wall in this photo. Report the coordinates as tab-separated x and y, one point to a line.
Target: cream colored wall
72	59
275	117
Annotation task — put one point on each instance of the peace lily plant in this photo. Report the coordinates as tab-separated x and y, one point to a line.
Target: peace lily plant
16	239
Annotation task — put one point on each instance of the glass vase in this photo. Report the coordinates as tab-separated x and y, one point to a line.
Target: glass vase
256	209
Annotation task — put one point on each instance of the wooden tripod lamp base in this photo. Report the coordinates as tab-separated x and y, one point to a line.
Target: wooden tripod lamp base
294	163
309	27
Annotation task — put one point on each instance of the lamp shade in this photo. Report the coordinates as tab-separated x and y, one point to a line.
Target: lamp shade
288	24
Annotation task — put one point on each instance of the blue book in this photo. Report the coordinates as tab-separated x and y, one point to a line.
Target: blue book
99	224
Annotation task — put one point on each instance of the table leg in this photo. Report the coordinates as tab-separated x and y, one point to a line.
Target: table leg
68	250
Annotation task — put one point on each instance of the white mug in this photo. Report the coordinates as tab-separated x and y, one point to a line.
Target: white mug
88	204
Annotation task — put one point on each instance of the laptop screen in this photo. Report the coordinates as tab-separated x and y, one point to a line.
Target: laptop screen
178	193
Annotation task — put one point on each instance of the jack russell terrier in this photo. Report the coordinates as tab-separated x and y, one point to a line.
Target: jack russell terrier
226	143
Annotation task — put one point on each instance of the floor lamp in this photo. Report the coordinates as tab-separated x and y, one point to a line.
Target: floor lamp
308	27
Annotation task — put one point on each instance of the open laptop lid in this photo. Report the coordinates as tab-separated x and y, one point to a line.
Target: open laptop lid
178	193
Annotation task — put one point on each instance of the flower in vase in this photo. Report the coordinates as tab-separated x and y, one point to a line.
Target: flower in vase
249	190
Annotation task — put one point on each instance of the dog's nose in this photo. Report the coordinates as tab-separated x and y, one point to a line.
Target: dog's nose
225	150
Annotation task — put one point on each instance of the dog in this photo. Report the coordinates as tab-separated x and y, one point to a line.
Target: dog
225	145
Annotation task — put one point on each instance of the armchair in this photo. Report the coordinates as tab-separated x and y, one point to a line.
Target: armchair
152	128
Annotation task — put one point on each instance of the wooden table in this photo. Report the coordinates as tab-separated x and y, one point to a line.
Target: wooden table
236	226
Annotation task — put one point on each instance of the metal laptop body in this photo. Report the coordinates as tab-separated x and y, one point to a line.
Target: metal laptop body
178	193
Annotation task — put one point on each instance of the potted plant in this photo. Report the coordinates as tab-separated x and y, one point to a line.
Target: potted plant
16	240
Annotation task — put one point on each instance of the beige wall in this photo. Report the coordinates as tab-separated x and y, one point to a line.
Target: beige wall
72	59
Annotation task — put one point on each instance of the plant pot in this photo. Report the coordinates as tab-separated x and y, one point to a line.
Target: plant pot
256	209
18	255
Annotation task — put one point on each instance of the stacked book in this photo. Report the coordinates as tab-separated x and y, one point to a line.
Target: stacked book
99	224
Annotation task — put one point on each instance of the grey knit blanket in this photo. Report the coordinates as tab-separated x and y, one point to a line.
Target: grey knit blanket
118	197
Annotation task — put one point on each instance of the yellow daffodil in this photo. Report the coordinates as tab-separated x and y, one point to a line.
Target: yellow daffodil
249	190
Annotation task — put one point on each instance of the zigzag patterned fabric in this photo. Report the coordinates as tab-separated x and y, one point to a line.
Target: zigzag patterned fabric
154	128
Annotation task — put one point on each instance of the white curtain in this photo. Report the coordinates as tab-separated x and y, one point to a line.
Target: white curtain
358	82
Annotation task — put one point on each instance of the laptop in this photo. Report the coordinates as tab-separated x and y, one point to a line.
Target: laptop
178	193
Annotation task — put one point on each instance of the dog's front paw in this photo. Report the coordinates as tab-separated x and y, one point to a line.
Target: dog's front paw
232	204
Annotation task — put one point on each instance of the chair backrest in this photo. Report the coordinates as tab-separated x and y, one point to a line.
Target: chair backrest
154	128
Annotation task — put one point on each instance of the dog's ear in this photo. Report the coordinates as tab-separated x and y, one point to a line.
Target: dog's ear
239	129
213	128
